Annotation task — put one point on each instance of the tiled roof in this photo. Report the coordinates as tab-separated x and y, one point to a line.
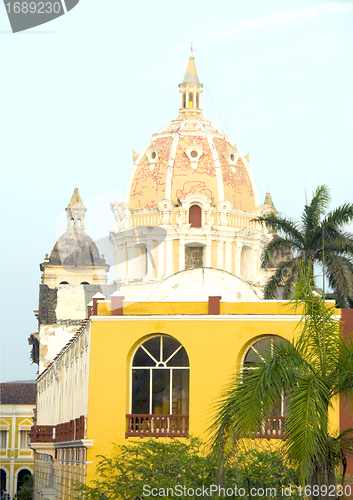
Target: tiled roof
18	393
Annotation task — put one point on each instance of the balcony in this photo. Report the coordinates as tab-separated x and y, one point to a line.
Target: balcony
43	434
272	428
146	425
73	430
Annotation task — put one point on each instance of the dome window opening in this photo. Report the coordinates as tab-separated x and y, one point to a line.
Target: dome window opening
153	155
194	154
184	100
191	100
232	157
197	101
193	257
195	216
64	283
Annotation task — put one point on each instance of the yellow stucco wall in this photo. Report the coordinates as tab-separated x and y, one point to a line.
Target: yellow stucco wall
206	340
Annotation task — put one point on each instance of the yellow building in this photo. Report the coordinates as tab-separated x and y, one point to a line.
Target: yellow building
17	402
150	359
148	369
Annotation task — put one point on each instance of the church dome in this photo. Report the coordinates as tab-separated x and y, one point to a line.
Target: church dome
75	248
191	155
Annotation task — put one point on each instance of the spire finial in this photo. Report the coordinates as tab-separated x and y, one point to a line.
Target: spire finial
192	50
75	211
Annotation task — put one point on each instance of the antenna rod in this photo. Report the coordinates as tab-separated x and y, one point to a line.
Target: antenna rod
323	304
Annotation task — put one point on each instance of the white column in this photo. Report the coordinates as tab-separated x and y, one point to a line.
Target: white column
228	263
256	263
160	257
149	257
208	253
219	254
117	255
169	258
182	254
238	250
128	257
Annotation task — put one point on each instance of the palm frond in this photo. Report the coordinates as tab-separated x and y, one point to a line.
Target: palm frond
340	216
285	273
278	223
275	248
344	375
313	213
306	422
339	271
249	398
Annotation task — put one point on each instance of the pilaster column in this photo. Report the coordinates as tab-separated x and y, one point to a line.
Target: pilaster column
238	250
219	254
129	260
169	257
149	257
228	250
208	253
181	254
120	263
256	264
160	261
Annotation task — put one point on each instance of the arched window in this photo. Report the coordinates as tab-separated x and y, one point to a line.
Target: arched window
195	216
79	222
63	283
160	378
84	283
22	477
3	479
72	222
257	353
184	100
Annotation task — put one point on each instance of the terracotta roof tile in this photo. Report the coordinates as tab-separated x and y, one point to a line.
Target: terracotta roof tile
18	393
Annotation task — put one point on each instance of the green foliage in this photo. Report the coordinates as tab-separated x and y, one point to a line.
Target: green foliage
312	370
154	463
164	465
304	239
26	490
263	469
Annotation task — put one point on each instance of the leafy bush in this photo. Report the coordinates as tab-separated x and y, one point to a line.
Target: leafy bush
177	468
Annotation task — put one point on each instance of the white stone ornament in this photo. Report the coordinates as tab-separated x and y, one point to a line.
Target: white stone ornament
194	153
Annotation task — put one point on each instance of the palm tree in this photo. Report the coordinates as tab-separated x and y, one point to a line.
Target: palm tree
311	371
304	239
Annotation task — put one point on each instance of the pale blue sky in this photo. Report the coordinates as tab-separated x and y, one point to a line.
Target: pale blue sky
79	93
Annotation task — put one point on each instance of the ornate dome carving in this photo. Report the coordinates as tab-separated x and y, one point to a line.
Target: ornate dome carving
191	155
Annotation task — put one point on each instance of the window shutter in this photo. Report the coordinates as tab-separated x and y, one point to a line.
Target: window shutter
195	216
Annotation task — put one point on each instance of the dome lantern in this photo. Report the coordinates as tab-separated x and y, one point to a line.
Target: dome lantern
75	212
190	90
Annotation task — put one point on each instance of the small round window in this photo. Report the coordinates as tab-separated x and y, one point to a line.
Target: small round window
194	154
232	157
153	155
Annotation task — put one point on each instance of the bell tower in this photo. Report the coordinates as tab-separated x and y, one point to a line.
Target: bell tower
75	212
